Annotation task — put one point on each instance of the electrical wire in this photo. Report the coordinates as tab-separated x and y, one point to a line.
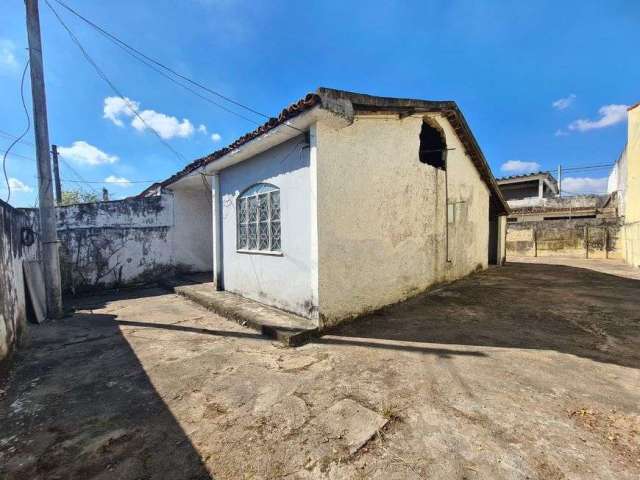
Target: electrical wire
104	77
7	152
19	138
130	49
8	136
82	180
134	54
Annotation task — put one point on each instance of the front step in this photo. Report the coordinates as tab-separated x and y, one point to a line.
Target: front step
291	330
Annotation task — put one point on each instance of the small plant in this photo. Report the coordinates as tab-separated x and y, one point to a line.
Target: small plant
390	411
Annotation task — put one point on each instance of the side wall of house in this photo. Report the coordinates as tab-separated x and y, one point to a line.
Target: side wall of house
280	280
193	229
632	190
13	312
110	244
382	215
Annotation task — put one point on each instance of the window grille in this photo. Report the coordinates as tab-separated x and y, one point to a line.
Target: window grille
259	219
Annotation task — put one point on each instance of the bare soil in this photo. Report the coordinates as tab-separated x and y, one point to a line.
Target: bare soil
529	371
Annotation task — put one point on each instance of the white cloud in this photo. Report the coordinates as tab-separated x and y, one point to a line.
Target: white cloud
86	154
167	126
563	103
17	186
561	133
577	185
518	166
119	181
609	115
202	129
115	107
216	137
7	56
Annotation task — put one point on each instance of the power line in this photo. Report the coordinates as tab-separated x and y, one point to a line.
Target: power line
82	180
7	152
8	136
20	137
134	53
102	75
159	64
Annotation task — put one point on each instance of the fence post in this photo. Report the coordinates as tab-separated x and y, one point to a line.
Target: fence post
586	241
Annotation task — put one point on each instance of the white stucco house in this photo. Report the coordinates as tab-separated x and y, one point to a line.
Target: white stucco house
343	204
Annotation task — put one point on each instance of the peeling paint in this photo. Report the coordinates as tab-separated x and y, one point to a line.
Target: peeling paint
117	243
13	313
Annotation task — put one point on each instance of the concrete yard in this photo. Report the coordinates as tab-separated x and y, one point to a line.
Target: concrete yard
530	371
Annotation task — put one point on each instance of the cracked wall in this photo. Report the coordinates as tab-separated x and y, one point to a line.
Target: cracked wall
118	243
13	312
382	215
577	237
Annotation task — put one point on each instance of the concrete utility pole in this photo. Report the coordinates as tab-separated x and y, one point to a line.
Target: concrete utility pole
48	234
559	180
56	174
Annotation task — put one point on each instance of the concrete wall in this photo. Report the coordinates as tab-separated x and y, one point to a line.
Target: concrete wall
617	182
13	314
632	190
193	230
381	214
502	239
280	280
117	243
110	244
579	238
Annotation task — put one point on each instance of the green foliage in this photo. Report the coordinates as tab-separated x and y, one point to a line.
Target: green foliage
70	197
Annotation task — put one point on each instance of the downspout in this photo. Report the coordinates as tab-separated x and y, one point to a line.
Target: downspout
446	205
216	223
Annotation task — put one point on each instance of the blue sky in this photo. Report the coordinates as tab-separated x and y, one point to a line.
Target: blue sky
504	63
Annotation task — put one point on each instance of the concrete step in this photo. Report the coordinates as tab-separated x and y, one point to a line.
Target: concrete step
292	330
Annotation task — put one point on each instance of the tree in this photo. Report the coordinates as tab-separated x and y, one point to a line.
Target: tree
78	195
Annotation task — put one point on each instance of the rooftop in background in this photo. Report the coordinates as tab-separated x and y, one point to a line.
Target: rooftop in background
526	177
529	189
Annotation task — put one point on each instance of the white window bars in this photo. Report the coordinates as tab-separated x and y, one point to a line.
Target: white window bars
258	220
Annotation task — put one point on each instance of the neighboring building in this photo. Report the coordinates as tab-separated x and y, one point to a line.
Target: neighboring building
542	223
344	204
625	180
528	190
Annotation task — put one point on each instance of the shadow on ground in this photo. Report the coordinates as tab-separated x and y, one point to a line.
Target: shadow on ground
528	306
79	404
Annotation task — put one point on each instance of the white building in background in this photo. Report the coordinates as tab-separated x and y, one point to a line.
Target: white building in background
617	181
343	204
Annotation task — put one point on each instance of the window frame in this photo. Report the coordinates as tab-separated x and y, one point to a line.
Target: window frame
252	202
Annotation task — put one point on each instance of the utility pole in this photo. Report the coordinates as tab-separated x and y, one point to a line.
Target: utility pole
56	174
48	234
559	180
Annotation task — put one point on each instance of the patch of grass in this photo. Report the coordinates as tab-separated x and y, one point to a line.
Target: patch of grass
390	411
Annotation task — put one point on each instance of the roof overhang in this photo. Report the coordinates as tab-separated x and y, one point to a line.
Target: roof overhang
338	108
282	133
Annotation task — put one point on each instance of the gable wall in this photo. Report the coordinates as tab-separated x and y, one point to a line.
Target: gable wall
381	215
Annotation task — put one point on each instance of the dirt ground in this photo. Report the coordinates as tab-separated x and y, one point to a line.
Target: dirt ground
529	371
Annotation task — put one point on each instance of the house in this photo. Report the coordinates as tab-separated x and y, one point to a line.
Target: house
528	189
343	204
543	223
624	180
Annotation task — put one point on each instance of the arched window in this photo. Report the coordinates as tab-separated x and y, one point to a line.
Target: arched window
259	218
433	148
